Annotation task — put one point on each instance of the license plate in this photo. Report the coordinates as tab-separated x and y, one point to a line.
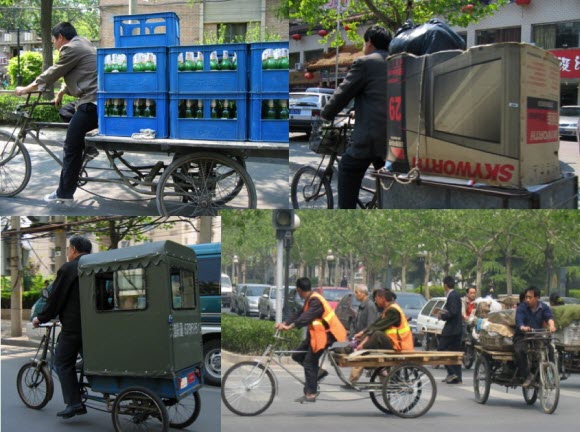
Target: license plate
294	111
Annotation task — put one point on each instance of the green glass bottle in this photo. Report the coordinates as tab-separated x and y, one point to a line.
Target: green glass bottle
284	112
180	63
283	62
108	68
147	110
213	112
233	110
234	65
137	65
153	108
149	64
271	63
189	62
271	113
123	63
213	61
226	62
265	54
115	109
188	111
199	112
199	62
225	111
136	110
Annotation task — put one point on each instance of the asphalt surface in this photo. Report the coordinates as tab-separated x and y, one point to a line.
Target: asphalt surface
269	176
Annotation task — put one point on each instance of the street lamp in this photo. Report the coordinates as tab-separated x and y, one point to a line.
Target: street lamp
330	262
234	268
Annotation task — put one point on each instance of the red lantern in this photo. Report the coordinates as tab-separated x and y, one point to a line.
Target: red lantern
347	27
296	36
523	2
308	75
322	33
467	8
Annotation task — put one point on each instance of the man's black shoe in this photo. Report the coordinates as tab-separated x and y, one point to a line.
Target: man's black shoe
454	379
322	373
72	410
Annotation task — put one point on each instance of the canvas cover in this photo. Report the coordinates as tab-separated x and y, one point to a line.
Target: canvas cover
155	341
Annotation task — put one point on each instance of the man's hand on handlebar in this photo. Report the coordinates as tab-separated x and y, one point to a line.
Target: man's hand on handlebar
20	91
35	322
284	327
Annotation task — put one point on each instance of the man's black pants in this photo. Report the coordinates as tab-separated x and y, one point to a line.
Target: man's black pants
451	343
351	172
69	346
309	361
84	120
379	340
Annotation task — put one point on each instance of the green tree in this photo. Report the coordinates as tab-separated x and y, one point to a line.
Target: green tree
30	67
389	13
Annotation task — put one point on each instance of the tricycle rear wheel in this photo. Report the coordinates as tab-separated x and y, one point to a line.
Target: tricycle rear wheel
481	379
530	394
35	385
138	408
379	376
409	391
184	412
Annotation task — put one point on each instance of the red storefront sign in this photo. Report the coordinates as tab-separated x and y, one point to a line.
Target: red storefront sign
569	62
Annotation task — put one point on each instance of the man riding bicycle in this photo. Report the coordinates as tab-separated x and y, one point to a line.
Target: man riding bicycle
530	315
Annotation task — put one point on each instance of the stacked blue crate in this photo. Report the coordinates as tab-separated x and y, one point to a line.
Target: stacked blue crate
268	82
136	72
195	81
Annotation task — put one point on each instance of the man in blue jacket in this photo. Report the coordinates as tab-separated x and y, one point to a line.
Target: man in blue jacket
532	314
450	339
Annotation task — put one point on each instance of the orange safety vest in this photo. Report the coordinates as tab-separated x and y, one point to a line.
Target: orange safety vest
400	336
320	326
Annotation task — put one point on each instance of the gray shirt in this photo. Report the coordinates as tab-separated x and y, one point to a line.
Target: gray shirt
77	64
366	315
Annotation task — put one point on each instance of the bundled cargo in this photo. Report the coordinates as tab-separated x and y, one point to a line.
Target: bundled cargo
488	115
495	341
567	320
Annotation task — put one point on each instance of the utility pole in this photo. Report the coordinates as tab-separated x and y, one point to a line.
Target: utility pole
15	280
59	243
205	223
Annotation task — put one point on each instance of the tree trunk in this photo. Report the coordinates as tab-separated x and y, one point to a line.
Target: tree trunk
45	28
479	270
549	259
509	270
427	267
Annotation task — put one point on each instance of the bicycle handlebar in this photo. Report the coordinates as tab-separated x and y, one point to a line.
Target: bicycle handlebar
50	324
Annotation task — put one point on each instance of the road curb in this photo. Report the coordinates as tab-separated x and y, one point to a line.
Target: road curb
233	358
19	341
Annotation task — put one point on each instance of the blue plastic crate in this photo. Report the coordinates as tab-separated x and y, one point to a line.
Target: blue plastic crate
266	80
208	128
155	29
130	124
130	79
230	81
262	129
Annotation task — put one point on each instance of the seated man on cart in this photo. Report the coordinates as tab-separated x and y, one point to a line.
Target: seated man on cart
532	314
390	331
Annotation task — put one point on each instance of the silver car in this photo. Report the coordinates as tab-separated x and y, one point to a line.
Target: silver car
569	116
267	304
305	108
248	297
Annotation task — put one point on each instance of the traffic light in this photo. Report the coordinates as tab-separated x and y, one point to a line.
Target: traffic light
284	221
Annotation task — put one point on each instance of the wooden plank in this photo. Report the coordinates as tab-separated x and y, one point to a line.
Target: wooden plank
383	358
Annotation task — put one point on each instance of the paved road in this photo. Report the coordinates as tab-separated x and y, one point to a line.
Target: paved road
301	155
269	175
454	409
16	417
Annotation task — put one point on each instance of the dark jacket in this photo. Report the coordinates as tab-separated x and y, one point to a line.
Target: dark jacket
366	82
303	318
64	300
366	315
453	318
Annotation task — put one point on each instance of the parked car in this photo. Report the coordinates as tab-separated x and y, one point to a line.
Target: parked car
319	90
267	303
295	302
412	303
569	116
235	298
333	295
248	297
304	108
428	324
226	290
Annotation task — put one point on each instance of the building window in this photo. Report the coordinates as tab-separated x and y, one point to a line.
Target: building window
313	55
559	35
235	32
293	59
511	34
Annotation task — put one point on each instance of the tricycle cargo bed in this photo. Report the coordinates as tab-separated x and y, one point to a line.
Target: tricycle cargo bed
382	358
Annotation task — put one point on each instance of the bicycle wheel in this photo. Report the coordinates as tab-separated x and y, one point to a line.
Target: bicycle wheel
549	387
530	394
248	388
15	168
138	409
481	379
468	356
202	183
409	391
376	394
184	412
311	189
35	385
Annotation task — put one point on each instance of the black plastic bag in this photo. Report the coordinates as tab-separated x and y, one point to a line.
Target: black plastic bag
428	38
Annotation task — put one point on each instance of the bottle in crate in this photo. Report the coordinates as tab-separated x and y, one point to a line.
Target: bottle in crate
271	112
188	110
150	63
136	108
213	111
189	62
283	62
226	62
225	111
199	61
284	112
234	62
199	112
213	61
123	108
233	110
114	111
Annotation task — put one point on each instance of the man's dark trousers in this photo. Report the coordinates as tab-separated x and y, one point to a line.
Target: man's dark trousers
451	343
309	361
69	346
84	120
351	172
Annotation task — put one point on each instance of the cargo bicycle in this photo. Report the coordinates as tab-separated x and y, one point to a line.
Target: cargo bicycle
202	177
497	366
312	187
143	388
399	382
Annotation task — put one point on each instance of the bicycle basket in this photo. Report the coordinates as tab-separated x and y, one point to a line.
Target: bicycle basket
329	140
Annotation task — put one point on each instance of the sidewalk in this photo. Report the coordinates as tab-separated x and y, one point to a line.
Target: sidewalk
22	341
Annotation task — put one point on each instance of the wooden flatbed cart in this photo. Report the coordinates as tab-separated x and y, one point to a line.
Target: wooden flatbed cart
399	382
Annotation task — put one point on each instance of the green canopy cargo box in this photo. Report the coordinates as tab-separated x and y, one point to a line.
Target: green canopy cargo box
141	319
